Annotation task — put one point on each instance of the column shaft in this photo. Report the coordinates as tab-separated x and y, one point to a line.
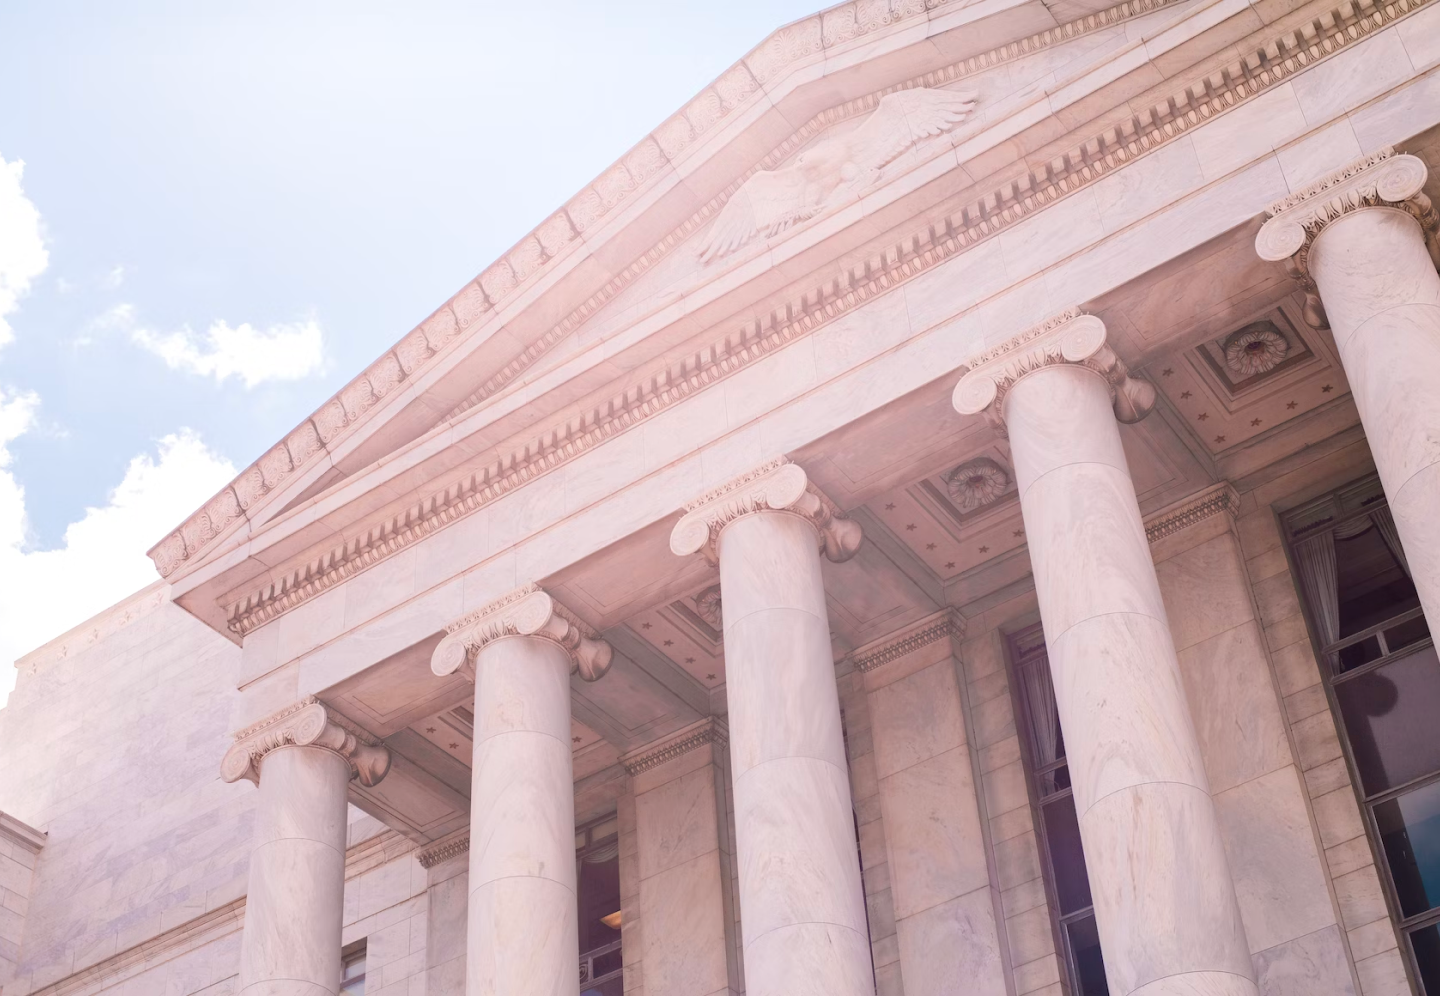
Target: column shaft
522	930
1382	296
802	907
293	910
1164	900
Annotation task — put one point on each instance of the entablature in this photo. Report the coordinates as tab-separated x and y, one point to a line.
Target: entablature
662	347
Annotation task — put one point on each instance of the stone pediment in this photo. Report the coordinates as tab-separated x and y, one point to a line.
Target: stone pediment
629	276
488	312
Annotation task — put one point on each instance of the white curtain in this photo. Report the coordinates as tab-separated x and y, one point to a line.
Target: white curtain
1044	720
1385	525
602	854
1315	560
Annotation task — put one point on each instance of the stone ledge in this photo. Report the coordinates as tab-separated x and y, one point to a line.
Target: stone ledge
21	834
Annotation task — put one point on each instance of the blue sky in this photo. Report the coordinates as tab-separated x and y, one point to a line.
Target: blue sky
213	215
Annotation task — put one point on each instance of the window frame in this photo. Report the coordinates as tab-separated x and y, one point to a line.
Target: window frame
1018	653
351	952
1352	501
585	843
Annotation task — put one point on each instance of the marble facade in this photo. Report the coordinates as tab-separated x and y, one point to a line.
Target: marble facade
710	516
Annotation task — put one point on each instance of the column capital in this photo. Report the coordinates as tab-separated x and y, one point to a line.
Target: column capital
307	723
1383	179
777	485
526	611
1069	337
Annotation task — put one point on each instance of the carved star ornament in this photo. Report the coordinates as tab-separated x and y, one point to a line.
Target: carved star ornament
833	168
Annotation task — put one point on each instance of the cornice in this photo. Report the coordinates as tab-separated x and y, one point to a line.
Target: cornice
1196	508
1069	337
707	731
526	611
776	485
829	297
1379	180
97	628
21	834
307	723
637	170
943	625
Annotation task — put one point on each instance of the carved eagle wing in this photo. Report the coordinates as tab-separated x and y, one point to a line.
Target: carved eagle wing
903	118
768	202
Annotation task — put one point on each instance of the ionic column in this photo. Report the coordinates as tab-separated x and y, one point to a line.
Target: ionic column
1364	240
802	911
522	936
1164	900
302	759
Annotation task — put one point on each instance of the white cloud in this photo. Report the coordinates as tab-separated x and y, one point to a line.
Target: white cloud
113	279
43	593
279	352
22	246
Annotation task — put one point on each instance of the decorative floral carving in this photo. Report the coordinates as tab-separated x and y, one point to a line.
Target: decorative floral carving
1381	179
1070	337
308	723
527	611
1255	349
469	304
498	281
779	485
707	606
976	484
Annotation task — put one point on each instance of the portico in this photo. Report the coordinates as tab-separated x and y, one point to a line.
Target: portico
887	535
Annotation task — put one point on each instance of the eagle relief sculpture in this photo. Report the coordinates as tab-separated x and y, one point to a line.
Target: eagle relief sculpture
833	168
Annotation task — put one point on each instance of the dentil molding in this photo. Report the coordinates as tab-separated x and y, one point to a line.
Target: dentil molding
943	625
308	723
707	731
527	611
828	297
1196	508
777	485
1382	179
1069	337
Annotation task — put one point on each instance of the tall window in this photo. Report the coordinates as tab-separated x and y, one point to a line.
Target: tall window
1043	744
352	970
597	877
1383	678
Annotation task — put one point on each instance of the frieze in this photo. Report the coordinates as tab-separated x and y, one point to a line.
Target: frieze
307	723
825	301
527	611
1381	179
1070	337
777	485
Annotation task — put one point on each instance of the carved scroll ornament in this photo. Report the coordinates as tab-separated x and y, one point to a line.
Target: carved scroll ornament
1382	179
308	723
527	611
778	485
1069	337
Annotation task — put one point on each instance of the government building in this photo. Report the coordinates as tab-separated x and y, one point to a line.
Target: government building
954	511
